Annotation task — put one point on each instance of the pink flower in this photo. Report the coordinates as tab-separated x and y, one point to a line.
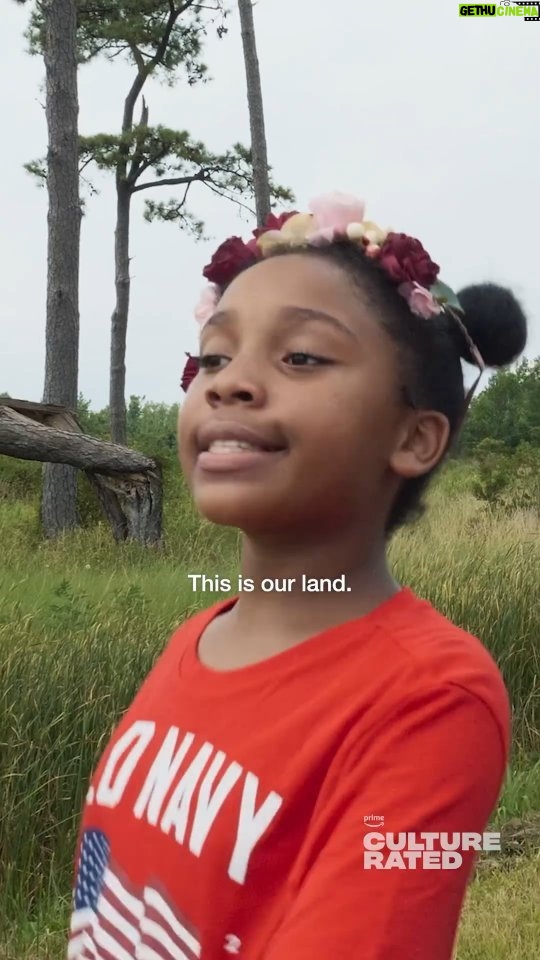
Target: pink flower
207	304
335	211
420	300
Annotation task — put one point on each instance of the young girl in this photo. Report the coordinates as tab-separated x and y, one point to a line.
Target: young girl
298	775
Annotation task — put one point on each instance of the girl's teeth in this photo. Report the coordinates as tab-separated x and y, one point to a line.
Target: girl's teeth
225	446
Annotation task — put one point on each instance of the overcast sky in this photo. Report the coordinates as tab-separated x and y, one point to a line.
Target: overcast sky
431	118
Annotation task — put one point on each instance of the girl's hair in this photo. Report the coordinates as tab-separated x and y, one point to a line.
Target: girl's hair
431	350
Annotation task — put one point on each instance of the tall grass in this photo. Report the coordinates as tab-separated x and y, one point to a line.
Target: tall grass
480	569
501	918
82	621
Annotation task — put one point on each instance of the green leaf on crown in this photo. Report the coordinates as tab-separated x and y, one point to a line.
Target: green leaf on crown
446	296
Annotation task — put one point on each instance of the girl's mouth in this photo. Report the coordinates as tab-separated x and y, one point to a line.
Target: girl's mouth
230	456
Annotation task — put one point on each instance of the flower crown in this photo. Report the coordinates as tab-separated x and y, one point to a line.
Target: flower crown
334	217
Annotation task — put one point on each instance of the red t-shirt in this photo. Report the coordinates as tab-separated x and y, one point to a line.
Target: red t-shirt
228	816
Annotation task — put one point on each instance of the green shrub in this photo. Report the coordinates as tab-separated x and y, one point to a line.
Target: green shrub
508	479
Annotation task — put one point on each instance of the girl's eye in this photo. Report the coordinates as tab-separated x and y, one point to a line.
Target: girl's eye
210	361
298	358
301	359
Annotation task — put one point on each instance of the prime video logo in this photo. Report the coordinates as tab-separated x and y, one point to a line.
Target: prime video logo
427	851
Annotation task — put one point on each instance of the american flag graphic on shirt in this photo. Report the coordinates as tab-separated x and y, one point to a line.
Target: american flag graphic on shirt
114	920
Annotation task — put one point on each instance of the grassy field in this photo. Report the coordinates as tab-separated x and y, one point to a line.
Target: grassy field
83	620
500	921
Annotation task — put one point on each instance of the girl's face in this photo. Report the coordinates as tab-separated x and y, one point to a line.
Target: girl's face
294	356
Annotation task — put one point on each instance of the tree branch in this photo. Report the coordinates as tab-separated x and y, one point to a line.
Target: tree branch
186	191
142	76
137	163
137	56
234	173
164	42
225	196
171	181
85	164
149	162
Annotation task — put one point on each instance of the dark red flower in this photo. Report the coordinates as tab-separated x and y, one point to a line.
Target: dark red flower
274	223
228	260
405	260
191	370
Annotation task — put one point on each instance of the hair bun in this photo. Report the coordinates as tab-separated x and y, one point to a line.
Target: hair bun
495	322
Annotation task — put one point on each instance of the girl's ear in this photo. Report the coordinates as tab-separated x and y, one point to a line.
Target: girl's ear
421	444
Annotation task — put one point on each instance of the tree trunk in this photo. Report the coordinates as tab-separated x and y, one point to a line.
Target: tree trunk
59	497
256	113
119	319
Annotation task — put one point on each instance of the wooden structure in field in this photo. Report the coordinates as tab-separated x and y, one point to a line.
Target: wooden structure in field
127	483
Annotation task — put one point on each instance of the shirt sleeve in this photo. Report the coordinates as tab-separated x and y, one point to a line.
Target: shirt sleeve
435	766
